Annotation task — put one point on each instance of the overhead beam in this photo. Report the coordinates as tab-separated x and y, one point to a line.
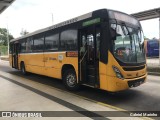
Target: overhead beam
148	14
4	3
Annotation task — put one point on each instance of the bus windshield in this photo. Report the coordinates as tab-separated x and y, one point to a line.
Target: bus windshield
128	44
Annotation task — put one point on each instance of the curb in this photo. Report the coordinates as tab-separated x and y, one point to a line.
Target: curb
154	73
4	58
153	70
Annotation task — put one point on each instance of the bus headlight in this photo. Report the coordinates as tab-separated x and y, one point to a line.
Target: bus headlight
118	73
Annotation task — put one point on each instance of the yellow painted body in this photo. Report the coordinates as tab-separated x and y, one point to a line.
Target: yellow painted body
108	79
51	63
46	64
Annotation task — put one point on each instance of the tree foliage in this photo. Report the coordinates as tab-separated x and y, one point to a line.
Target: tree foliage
24	32
4	36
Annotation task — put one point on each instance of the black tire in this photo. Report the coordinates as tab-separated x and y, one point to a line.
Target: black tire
23	69
70	80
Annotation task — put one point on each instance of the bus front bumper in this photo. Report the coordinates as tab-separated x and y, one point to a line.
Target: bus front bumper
115	84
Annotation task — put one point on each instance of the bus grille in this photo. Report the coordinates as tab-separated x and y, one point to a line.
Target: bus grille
135	83
133	68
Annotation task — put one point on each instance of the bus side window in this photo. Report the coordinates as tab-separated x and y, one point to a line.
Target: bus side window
83	44
29	45
51	42
23	46
68	40
38	44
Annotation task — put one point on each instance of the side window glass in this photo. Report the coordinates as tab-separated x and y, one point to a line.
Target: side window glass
38	44
83	40
29	45
23	46
51	42
90	40
68	40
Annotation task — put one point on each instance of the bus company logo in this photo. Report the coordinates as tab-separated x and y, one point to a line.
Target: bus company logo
6	114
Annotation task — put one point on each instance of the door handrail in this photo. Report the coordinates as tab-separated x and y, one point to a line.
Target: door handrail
83	56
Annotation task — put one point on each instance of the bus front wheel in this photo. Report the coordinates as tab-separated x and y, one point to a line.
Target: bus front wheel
70	80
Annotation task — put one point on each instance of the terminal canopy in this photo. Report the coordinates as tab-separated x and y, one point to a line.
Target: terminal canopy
4	4
148	14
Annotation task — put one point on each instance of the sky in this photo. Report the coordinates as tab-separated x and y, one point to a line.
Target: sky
31	15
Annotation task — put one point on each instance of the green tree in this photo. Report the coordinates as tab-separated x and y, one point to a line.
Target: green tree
3	36
24	32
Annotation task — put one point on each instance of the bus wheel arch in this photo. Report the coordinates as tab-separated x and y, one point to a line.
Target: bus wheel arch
69	77
23	68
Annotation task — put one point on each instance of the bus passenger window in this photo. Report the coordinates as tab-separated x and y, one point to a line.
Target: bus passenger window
51	42
38	44
29	45
68	40
23	46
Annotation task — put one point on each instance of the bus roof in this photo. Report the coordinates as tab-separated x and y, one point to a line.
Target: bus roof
76	19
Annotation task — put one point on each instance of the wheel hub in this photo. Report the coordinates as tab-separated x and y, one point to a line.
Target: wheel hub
71	80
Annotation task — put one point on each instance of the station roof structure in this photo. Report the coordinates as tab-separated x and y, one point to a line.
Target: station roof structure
148	14
4	4
144	15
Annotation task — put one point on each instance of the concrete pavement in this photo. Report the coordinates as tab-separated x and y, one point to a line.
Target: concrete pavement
153	66
6	58
20	94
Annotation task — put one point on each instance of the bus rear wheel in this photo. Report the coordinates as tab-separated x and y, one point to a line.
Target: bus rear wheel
70	80
23	69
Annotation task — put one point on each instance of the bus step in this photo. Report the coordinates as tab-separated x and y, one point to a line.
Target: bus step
90	66
91	80
89	85
91	71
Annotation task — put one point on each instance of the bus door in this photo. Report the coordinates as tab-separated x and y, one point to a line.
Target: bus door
15	50
89	42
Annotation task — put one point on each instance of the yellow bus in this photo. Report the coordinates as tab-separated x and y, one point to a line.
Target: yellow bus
103	49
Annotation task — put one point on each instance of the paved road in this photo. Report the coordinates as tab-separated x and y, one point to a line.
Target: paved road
143	98
154	62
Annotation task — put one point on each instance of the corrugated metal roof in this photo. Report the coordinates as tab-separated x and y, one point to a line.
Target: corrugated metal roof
4	4
148	14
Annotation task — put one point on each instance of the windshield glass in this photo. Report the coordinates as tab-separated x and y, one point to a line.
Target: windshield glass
128	44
